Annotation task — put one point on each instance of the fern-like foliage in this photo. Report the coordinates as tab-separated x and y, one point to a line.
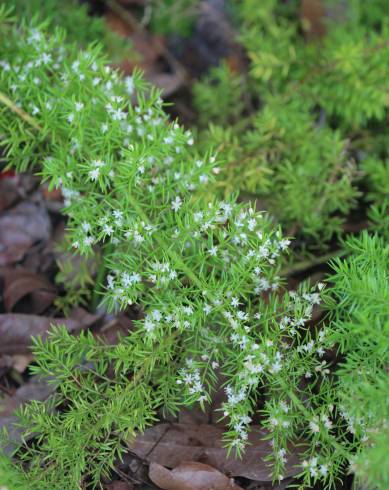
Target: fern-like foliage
205	273
359	304
129	181
304	117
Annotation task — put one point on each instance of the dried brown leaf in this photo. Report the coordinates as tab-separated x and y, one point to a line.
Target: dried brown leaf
27	292
20	228
13	187
17	330
168	83
8	193
172	444
35	389
20	362
119	485
190	476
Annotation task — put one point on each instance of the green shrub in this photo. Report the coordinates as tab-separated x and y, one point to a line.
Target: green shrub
301	121
204	272
130	184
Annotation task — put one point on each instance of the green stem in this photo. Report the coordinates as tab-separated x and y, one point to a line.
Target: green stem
20	112
101	273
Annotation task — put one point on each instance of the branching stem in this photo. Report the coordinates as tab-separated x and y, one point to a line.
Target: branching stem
20	112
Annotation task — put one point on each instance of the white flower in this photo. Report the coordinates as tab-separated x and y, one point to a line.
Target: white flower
276	367
176	204
129	81
213	251
34	37
323	469
284	406
156	314
207	309
108	230
172	275
149	325
251	224
235	302
327	422
85	226
188	310
88	240
283	244
79	106
135	277
94	174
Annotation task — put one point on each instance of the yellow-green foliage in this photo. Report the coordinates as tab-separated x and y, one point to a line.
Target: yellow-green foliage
297	129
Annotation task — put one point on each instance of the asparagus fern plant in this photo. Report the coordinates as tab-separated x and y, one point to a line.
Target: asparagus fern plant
205	273
305	117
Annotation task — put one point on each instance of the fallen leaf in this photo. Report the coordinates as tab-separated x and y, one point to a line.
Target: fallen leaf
8	192
52	195
27	292
172	444
13	187
168	83
117	327
5	174
190	476
20	228
35	389
21	361
119	485
16	329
